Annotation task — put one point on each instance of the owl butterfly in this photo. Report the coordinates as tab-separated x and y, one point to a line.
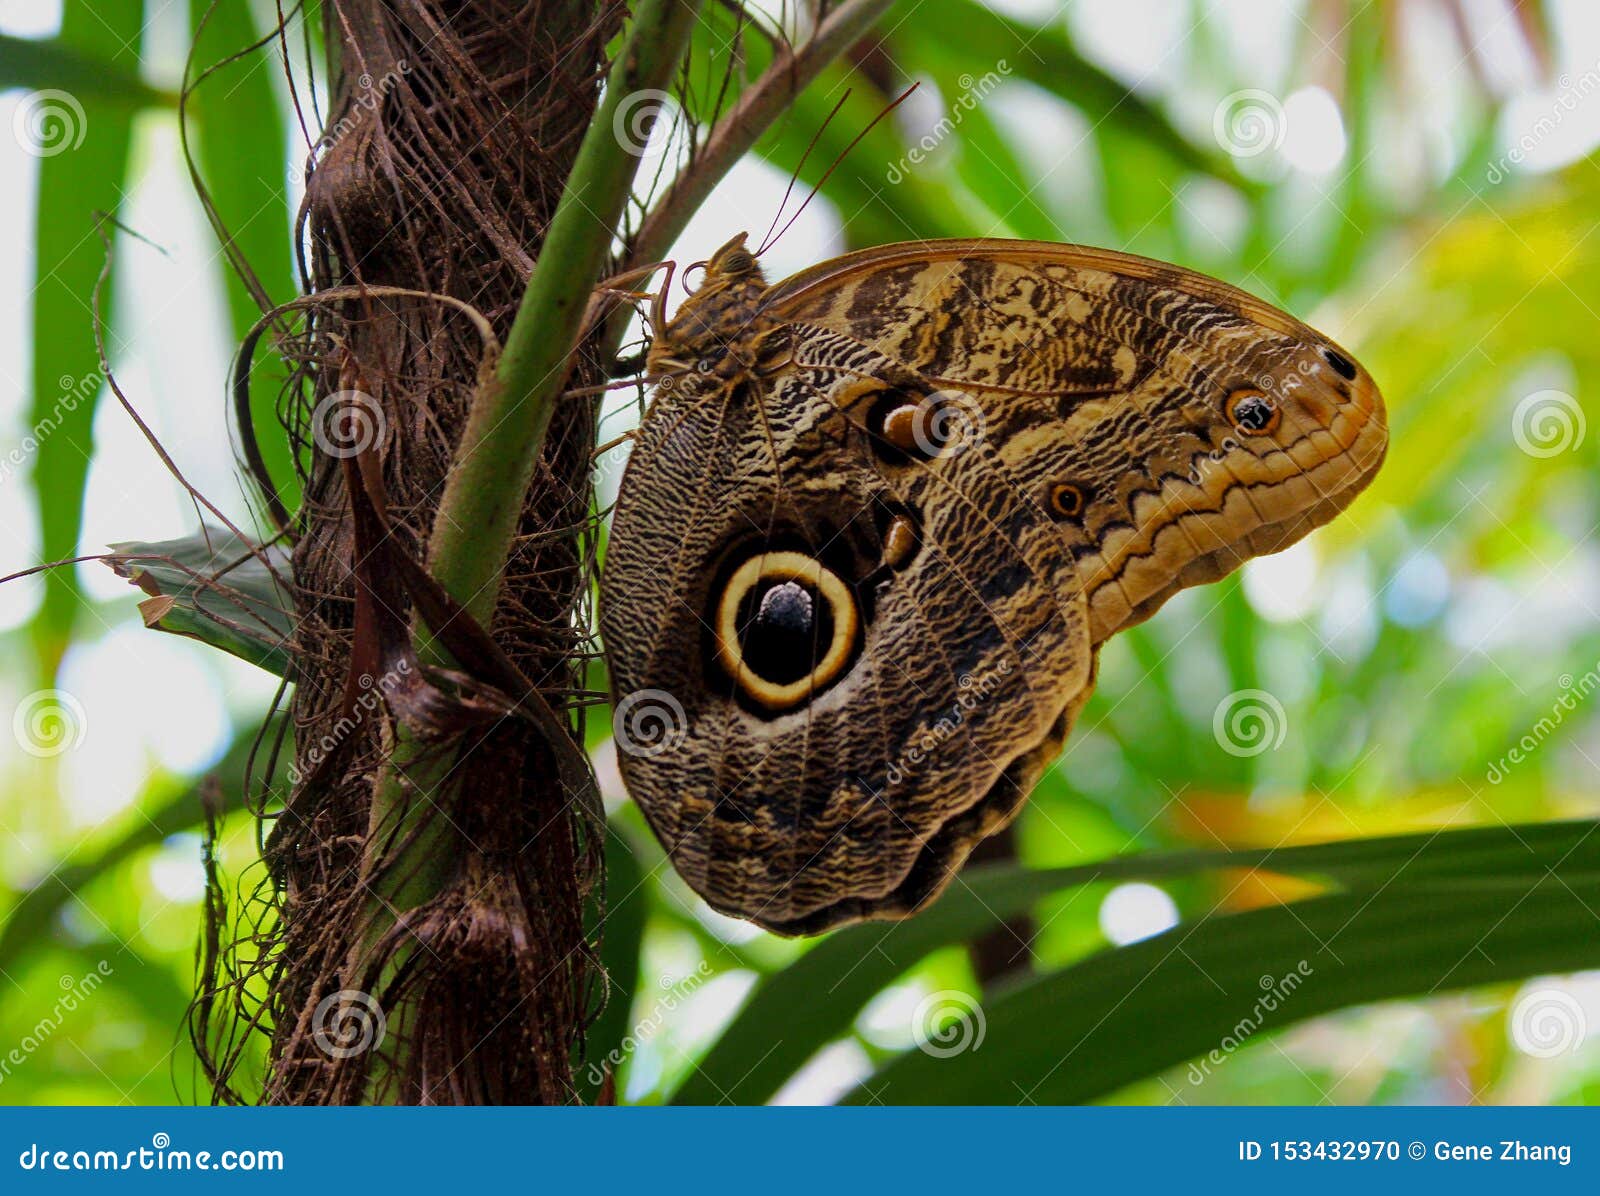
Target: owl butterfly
880	517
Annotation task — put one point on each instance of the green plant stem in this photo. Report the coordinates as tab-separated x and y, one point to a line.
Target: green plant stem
494	466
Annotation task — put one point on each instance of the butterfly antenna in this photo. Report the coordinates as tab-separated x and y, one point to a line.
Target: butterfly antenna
770	240
795	174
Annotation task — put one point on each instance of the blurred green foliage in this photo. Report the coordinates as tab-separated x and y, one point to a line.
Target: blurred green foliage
1409	647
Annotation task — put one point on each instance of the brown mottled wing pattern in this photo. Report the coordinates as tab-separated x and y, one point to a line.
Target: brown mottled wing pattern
1111	373
971	652
1105	430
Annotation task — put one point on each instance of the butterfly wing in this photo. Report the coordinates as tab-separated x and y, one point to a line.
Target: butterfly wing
863	589
1114	387
965	646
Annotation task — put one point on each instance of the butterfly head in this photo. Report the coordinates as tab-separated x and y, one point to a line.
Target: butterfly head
718	314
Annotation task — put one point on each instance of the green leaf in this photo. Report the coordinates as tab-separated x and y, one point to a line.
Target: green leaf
1043	55
1086	1031
214	587
241	170
39	63
816	999
82	173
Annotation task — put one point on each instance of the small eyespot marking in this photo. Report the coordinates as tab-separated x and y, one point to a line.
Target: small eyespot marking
899	542
1341	364
1067	500
1251	413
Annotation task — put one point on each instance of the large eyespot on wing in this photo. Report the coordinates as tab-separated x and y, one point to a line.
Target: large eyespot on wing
786	627
824	776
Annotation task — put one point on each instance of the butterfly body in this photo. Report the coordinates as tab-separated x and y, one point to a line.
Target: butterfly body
880	517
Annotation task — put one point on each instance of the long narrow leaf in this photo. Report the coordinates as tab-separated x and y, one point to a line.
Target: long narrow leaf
816	999
1086	1031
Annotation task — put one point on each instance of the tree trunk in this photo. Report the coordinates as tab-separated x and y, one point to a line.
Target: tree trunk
452	129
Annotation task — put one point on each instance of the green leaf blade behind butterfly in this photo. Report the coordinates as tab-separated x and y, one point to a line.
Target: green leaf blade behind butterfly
83	166
1084	1032
242	158
815	999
